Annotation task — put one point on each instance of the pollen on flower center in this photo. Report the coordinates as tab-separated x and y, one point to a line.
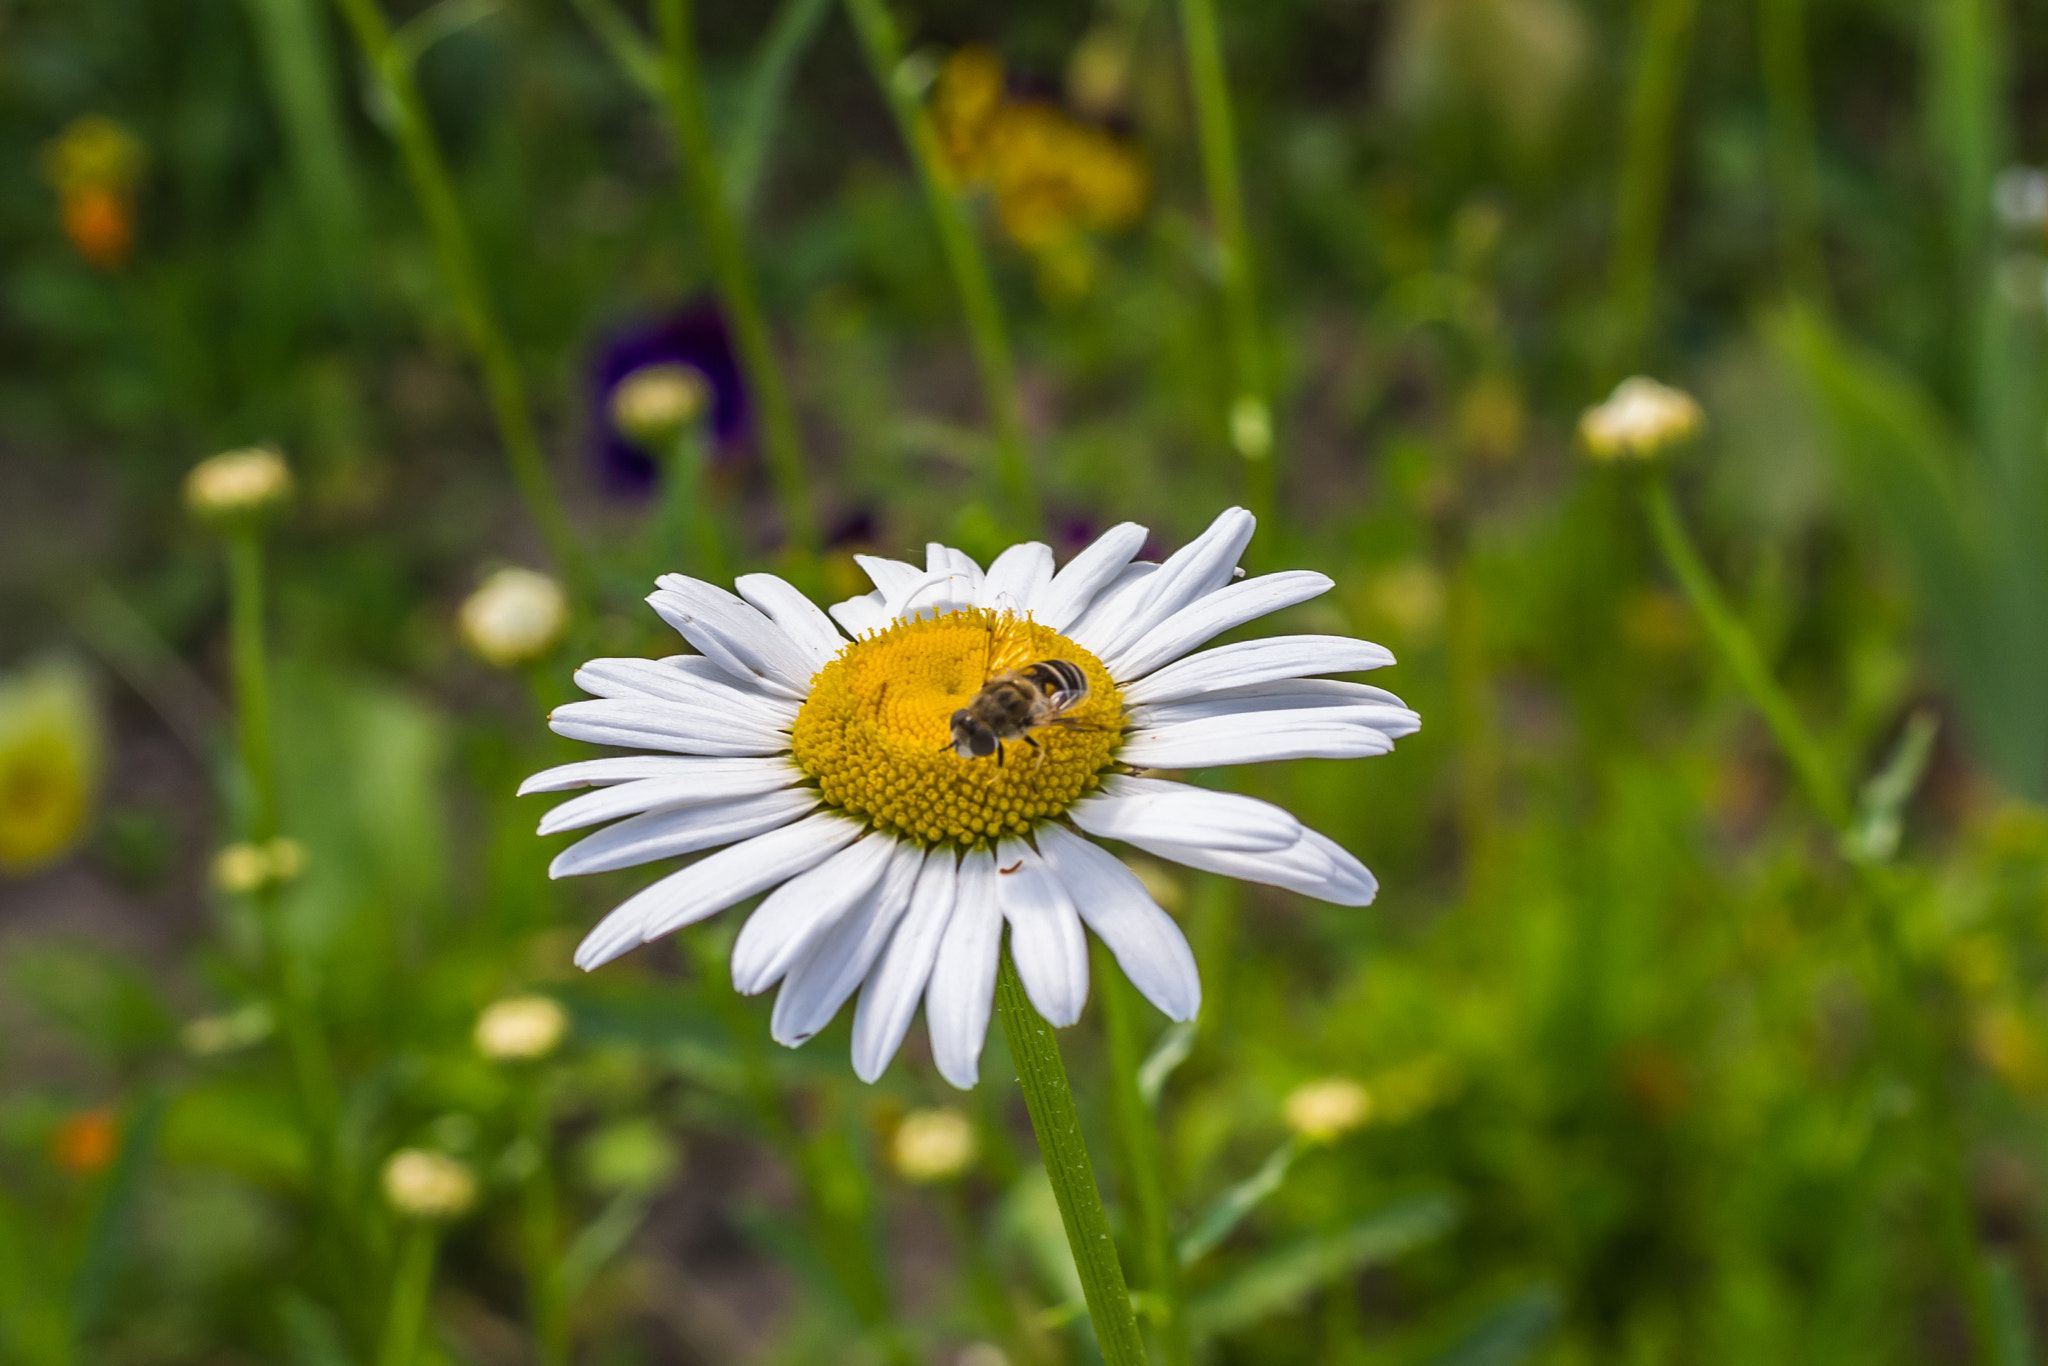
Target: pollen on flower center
876	736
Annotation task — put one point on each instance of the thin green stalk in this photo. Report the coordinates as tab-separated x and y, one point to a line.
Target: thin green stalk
1739	651
541	1229
1043	1078
964	258
1781	36
405	1314
1654	94
405	116
252	679
1251	404
1137	1137
682	93
689	524
1892	966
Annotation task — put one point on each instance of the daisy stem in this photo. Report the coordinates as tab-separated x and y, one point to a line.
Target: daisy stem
405	117
964	257
1250	417
1917	1032
405	1314
682	92
1137	1137
1043	1077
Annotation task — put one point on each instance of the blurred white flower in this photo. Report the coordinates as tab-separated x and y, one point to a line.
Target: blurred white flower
420	1184
1640	419
237	484
519	1028
246	867
514	617
2020	196
932	1145
656	402
1323	1110
896	862
210	1036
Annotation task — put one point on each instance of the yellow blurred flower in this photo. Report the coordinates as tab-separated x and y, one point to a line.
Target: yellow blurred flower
421	1184
656	402
247	867
1321	1111
94	164
1640	419
515	617
1054	179
932	1145
2009	1045
520	1028
50	750
237	484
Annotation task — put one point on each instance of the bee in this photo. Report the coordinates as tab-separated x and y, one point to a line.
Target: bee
1016	702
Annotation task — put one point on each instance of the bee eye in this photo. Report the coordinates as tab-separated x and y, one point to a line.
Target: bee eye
984	743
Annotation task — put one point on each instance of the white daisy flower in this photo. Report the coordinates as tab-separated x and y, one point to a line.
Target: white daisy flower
824	767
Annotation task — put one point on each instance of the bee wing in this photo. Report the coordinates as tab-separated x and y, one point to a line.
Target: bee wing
1009	646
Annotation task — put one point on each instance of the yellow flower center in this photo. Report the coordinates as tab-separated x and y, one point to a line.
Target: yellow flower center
876	731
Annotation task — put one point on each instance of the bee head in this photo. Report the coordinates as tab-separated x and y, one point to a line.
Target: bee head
971	739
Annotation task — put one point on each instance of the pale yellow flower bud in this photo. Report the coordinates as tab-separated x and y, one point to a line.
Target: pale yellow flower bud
427	1185
1324	1110
520	1028
50	753
1640	419
656	402
209	1036
514	618
246	867
237	484
932	1145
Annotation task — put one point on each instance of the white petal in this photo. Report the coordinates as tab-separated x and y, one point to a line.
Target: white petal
1281	695
733	635
801	911
1197	569
937	557
892	577
711	884
1046	941
1259	738
963	985
626	768
951	579
706	780
1139	809
1315	866
1256	661
639	724
889	996
1074	588
1101	626
803	620
819	984
691	680
1212	615
1017	578
1147	943
861	616
665	834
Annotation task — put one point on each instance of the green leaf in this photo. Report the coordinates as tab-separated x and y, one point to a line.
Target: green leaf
797	24
1283	1278
1235	1203
1506	1333
113	1225
1170	1052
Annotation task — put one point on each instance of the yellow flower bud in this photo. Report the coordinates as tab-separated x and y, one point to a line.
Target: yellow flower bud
50	746
655	403
1328	1109
519	1028
237	484
247	867
428	1185
1640	419
932	1145
514	618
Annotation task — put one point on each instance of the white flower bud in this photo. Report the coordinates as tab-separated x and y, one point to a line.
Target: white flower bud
1323	1110
520	1028
237	484
427	1185
515	617
932	1145
656	402
1640	419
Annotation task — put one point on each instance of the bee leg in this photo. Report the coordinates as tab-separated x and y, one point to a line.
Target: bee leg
1037	750
999	754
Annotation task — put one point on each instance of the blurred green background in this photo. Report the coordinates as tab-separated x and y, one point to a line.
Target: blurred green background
1666	1060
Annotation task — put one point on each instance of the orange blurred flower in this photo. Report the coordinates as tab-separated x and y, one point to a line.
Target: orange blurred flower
100	224
95	164
85	1142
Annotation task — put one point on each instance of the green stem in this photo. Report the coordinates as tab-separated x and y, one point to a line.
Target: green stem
1646	171
690	526
1919	1038
547	1296
1781	36
1251	413
1739	651
964	258
432	186
406	1313
1137	1136
252	680
1043	1077
682	93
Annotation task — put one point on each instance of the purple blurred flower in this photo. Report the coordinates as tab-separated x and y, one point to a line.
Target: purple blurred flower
694	335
